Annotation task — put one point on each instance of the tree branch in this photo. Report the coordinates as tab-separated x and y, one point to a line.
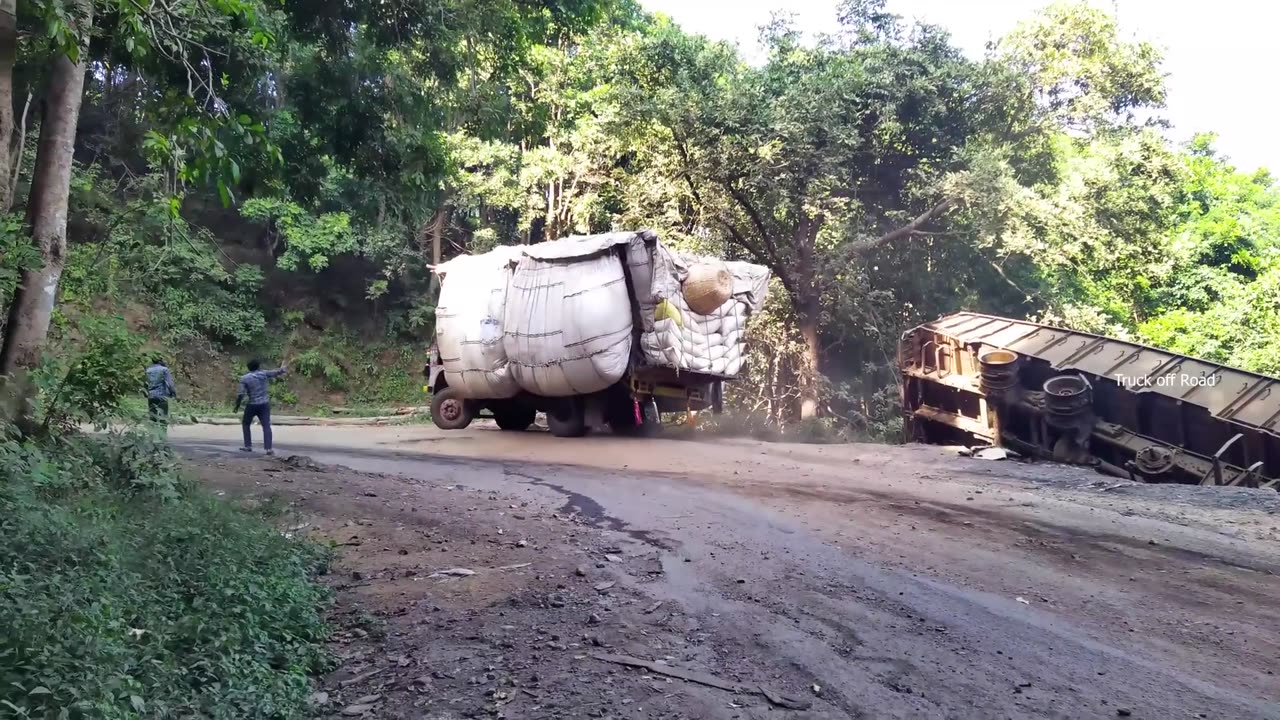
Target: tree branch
750	246
684	171
758	251
752	213
911	228
19	150
174	44
768	245
1027	296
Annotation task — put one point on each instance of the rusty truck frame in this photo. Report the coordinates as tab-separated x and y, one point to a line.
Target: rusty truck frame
1126	409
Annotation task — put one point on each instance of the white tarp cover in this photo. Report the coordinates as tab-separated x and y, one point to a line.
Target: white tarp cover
473	295
566	327
568	323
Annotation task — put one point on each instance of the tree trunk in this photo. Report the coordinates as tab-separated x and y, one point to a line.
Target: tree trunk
437	235
807	316
8	57
550	231
808	305
32	305
437	246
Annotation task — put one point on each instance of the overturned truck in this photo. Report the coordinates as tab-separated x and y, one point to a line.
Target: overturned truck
609	329
1126	409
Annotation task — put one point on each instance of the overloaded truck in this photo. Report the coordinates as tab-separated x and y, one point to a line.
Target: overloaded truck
596	330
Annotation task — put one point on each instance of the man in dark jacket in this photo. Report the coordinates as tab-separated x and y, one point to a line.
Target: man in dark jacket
254	386
160	390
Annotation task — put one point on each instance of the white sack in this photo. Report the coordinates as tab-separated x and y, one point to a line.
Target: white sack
568	322
689	340
469	318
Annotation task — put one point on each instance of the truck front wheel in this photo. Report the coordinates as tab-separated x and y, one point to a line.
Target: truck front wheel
449	410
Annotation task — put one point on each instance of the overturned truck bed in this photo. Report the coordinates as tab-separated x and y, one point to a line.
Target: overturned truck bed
1127	409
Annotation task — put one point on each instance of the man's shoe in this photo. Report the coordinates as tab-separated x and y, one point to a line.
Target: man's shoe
246	449
271	452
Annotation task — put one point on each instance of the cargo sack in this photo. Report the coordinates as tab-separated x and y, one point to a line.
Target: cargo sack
696	316
568	323
469	329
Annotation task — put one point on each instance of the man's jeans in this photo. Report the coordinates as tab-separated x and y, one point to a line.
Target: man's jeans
158	408
263	413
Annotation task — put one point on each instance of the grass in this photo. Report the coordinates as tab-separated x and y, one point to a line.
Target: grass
127	592
327	371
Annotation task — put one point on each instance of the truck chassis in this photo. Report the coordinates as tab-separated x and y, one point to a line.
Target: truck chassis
632	406
1126	409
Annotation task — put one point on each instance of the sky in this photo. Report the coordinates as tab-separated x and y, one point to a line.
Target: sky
1220	56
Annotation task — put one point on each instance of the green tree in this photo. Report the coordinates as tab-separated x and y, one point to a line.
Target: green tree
299	239
822	155
63	53
1221	297
1080	230
1089	246
1083	76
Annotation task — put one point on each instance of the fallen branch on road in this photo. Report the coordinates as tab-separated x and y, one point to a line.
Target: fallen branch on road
689	675
700	678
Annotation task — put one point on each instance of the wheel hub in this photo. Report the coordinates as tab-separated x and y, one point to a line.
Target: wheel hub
1154	460
451	410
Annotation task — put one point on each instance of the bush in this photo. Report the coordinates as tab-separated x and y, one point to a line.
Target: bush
17	253
91	384
145	252
125	592
367	373
315	364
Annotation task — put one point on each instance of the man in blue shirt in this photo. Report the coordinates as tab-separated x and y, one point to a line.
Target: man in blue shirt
253	390
160	390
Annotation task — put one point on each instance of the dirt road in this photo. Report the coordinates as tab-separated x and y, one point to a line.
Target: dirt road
862	581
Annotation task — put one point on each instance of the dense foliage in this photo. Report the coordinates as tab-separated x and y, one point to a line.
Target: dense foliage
277	178
125	592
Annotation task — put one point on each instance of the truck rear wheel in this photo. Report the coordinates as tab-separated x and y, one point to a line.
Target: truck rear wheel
449	410
626	427
651	417
514	417
567	418
622	418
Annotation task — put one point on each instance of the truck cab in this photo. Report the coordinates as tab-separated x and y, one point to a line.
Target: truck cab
433	371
